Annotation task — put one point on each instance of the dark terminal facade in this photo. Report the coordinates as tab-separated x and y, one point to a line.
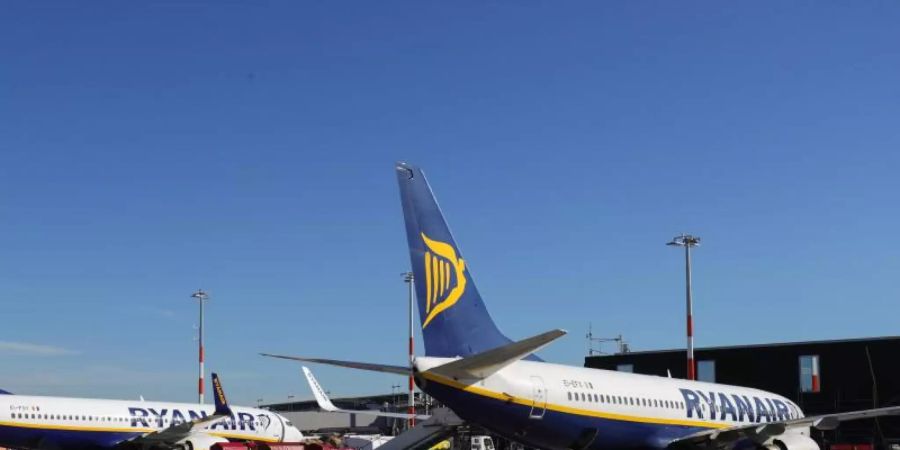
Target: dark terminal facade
821	377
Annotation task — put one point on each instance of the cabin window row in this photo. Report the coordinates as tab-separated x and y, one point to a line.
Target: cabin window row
620	400
68	417
107	418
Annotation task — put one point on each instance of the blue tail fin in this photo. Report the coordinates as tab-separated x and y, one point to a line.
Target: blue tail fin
454	319
221	403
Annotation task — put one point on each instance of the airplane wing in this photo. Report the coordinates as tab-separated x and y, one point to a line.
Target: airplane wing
399	370
325	403
182	430
763	431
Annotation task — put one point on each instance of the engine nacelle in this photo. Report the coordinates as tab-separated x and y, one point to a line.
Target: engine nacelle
792	442
199	441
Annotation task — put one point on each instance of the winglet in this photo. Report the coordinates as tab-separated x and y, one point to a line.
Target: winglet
219	395
321	398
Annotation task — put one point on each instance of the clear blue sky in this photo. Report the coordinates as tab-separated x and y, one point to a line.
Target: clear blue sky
248	149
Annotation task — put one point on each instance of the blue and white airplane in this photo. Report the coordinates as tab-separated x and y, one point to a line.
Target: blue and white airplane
489	380
58	423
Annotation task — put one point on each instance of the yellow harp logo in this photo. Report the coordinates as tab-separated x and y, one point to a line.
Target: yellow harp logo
441	265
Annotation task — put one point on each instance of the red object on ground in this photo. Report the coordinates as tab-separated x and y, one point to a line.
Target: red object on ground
250	445
851	446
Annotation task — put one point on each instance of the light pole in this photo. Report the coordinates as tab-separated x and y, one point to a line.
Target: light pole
411	409
201	297
687	241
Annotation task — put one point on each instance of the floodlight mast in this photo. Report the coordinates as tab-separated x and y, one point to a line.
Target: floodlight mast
687	241
409	279
201	297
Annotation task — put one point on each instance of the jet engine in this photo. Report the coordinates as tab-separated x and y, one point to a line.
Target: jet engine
200	441
792	442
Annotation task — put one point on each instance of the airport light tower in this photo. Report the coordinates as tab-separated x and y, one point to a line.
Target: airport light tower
201	297
687	241
409	279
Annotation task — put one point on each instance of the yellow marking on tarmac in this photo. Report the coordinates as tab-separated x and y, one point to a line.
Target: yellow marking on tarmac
568	409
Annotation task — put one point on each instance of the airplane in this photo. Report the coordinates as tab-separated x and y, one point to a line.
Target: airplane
490	380
59	423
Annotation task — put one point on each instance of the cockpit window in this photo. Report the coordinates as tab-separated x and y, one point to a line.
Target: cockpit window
288	423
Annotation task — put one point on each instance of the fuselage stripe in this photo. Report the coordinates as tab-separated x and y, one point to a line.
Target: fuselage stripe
567	409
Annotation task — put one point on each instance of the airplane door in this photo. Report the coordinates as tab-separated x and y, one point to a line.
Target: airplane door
538	398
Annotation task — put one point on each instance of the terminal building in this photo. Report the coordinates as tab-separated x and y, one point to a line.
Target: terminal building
822	377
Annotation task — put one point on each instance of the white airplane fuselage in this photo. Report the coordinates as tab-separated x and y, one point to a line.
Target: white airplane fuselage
75	423
556	406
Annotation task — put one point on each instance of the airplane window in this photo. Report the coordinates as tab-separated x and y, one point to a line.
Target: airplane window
596	398
569	394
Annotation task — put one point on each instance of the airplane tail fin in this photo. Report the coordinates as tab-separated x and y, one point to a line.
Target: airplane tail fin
453	316
222	407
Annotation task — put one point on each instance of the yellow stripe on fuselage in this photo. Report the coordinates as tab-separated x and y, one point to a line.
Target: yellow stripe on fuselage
47	426
51	426
568	409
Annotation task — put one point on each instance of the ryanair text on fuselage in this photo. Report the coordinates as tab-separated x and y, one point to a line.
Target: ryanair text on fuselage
738	408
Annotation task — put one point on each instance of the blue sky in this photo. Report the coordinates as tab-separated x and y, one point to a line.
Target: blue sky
147	150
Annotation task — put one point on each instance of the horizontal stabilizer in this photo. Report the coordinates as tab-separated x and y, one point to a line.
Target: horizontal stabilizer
326	404
484	364
385	368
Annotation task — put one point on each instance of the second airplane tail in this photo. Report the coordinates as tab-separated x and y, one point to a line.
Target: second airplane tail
453	316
